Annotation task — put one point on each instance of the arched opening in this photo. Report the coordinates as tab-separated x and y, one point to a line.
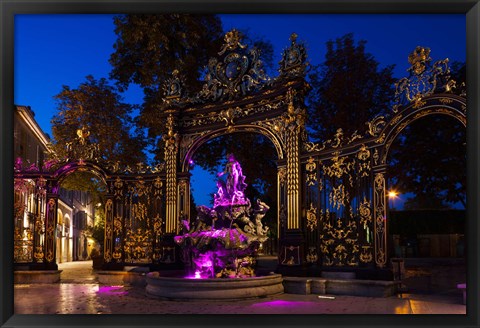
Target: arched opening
426	199
258	157
82	191
68	241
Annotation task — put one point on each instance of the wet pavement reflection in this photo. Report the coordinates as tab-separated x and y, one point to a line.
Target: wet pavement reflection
95	299
80	293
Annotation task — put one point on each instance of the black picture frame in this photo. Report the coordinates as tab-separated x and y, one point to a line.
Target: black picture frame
9	8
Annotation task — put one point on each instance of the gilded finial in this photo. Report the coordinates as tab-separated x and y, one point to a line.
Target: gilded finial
232	41
293	37
418	59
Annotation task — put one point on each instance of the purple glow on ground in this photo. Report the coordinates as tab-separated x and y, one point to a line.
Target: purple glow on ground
111	290
281	303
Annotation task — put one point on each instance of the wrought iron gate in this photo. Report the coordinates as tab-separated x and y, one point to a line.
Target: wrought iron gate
331	195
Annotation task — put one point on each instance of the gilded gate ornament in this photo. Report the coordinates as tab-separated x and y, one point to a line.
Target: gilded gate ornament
376	125
235	73
50	229
311	167
366	254
425	78
294	59
173	89
365	212
339	243
312	256
379	215
312	218
363	157
81	148
340	166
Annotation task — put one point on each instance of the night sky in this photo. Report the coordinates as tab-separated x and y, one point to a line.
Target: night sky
56	50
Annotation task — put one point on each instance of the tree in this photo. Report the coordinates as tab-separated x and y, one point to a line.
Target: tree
348	89
428	159
98	106
150	47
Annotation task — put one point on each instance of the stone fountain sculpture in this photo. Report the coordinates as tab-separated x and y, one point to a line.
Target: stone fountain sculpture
224	240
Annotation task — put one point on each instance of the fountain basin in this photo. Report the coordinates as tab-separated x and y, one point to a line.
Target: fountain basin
220	289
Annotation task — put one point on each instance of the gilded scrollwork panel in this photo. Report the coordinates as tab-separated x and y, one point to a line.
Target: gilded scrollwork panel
312	220
379	214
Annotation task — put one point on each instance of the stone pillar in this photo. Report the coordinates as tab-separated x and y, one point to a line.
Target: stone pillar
380	216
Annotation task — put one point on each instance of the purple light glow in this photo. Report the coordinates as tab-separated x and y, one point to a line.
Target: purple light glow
231	191
112	290
196	276
282	303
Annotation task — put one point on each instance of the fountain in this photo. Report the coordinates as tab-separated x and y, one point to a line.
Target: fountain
220	248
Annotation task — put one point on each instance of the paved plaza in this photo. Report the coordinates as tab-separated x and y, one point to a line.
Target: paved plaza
80	293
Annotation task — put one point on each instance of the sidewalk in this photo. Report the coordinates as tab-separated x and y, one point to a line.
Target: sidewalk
79	293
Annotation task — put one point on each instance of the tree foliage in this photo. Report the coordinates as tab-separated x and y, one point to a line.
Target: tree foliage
150	47
96	105
348	89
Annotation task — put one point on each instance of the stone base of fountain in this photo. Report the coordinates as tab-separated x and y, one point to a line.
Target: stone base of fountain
220	289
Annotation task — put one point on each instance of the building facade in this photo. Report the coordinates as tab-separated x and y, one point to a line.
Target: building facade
75	209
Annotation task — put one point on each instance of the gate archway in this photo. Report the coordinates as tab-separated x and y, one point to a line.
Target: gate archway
238	97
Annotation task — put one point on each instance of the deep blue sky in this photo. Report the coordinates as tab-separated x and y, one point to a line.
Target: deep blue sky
56	50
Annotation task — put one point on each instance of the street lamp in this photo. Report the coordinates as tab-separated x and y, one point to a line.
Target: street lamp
392	194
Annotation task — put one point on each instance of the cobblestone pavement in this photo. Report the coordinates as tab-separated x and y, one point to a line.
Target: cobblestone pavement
79	293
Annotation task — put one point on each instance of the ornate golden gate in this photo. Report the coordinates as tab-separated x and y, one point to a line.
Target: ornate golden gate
331	196
238	97
345	197
134	210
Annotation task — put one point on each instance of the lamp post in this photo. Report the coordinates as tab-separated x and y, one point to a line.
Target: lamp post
392	194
